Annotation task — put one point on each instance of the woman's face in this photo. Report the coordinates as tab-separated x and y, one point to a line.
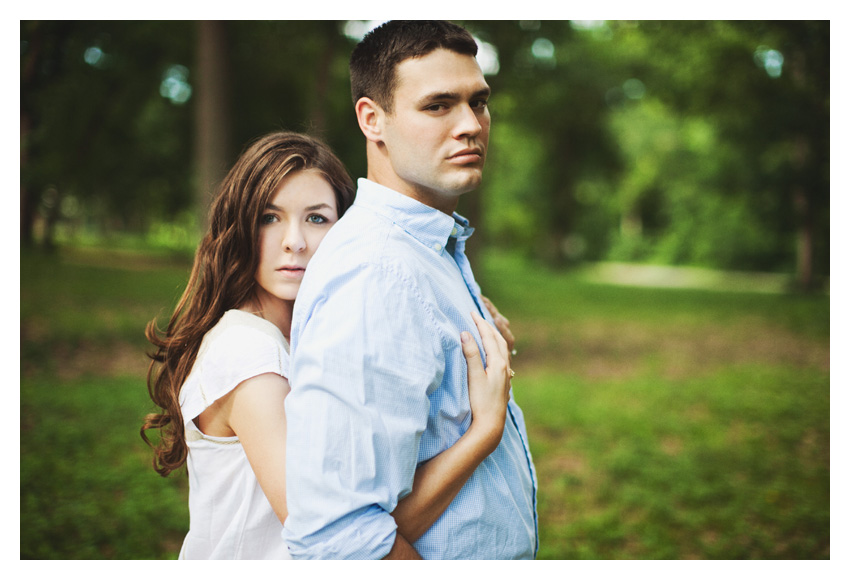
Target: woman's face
296	220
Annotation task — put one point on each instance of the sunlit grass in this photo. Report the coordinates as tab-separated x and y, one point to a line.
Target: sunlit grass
731	465
87	488
671	423
663	423
531	291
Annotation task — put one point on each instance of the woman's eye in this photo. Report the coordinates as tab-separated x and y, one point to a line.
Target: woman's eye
268	218
317	219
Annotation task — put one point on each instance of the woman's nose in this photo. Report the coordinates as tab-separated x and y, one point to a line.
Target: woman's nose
294	241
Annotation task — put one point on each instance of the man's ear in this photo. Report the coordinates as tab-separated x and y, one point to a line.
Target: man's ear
370	117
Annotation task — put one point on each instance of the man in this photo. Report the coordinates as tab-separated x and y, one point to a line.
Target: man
378	372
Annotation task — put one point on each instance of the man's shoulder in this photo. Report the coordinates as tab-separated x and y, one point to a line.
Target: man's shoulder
363	239
358	228
376	263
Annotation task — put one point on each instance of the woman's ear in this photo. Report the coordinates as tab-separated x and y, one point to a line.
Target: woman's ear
370	117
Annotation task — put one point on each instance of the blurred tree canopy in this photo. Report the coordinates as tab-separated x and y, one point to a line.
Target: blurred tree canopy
701	143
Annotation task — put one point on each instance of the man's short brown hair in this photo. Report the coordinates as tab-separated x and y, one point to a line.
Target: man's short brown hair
374	60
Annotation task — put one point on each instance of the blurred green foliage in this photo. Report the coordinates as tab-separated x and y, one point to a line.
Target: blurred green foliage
676	142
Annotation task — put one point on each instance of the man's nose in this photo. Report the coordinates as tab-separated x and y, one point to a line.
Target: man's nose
468	125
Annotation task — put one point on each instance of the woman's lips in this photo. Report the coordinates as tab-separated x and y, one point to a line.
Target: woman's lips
291	271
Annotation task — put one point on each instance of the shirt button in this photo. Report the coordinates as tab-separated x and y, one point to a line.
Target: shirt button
437	247
454	231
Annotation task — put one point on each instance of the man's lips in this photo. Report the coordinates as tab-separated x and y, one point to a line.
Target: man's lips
470	155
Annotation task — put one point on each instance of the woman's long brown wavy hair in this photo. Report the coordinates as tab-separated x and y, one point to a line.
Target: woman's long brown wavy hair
222	275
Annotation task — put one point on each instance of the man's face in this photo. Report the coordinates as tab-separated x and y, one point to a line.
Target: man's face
437	134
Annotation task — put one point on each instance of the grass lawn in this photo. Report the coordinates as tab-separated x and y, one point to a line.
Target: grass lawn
664	424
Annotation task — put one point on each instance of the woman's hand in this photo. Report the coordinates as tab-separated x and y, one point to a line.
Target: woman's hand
502	323
489	390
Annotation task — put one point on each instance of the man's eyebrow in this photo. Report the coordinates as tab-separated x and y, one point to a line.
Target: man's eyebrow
482	92
453	96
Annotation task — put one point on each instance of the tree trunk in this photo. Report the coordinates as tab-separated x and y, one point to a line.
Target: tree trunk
318	115
801	194
805	240
805	220
27	207
28	75
212	114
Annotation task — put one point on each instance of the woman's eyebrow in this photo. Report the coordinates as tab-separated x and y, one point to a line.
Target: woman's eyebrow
318	206
273	207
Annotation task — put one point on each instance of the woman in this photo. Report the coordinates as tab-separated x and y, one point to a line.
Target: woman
219	370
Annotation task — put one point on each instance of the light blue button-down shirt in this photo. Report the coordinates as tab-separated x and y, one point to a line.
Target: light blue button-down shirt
379	385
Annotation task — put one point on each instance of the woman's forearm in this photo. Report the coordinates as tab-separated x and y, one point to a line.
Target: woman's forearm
437	482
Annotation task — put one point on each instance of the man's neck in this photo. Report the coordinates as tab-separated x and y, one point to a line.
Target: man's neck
445	204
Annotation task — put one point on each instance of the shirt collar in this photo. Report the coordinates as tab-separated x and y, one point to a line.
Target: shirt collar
430	226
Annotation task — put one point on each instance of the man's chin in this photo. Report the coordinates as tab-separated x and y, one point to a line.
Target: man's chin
465	183
470	185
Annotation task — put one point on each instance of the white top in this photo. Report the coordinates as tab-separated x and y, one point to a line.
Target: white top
229	515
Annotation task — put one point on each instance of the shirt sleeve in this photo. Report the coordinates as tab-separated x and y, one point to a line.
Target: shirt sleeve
235	354
366	355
